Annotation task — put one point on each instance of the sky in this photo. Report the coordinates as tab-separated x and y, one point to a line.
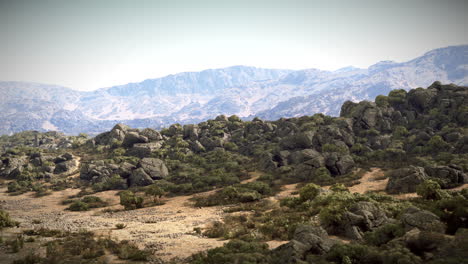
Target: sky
90	44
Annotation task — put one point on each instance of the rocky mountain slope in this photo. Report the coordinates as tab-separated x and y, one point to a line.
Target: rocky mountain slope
243	91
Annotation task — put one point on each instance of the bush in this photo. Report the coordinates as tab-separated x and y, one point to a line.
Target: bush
78	206
309	192
6	221
130	201
430	190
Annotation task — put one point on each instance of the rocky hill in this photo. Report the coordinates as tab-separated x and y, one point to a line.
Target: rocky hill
419	137
197	96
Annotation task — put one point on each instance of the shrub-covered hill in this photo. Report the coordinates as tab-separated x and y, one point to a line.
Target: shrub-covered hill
421	136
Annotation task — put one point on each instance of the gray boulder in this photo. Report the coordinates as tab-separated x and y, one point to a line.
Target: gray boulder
133	138
13	166
151	134
414	217
144	149
98	171
307	240
338	164
448	176
155	168
360	218
300	140
405	180
140	178
66	166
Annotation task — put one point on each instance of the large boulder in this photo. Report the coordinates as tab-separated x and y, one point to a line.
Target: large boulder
66	166
414	217
448	176
132	138
98	171
155	168
405	180
299	141
360	218
144	149
117	134
140	178
338	163
307	240
13	166
151	134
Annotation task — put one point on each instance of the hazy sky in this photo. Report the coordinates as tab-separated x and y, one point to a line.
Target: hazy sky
92	44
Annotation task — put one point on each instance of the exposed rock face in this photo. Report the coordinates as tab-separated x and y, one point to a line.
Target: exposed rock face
405	180
338	164
414	217
155	168
13	166
117	134
132	138
307	240
151	134
448	176
144	149
98	171
66	166
362	217
140	178
300	140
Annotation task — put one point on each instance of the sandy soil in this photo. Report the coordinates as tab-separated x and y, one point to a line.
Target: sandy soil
168	229
370	181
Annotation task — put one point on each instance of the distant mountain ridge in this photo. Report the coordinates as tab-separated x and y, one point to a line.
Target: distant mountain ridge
192	97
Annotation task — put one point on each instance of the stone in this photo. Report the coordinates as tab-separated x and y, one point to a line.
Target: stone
360	218
140	178
66	166
144	149
155	168
414	217
338	164
405	180
151	134
132	138
447	176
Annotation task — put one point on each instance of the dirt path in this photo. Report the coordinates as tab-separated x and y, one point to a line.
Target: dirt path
371	181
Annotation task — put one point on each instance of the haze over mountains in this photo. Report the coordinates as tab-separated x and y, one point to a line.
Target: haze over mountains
196	96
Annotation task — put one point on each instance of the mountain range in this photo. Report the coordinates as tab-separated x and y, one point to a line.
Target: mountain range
192	97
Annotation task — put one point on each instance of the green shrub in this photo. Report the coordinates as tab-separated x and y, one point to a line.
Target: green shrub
6	221
130	201
430	190
78	206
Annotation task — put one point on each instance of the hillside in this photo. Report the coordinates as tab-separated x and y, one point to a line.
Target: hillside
385	182
240	90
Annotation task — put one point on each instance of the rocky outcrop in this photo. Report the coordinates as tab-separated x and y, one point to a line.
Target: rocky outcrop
13	166
140	178
414	217
306	240
154	168
405	180
447	176
144	149
132	138
360	218
338	164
